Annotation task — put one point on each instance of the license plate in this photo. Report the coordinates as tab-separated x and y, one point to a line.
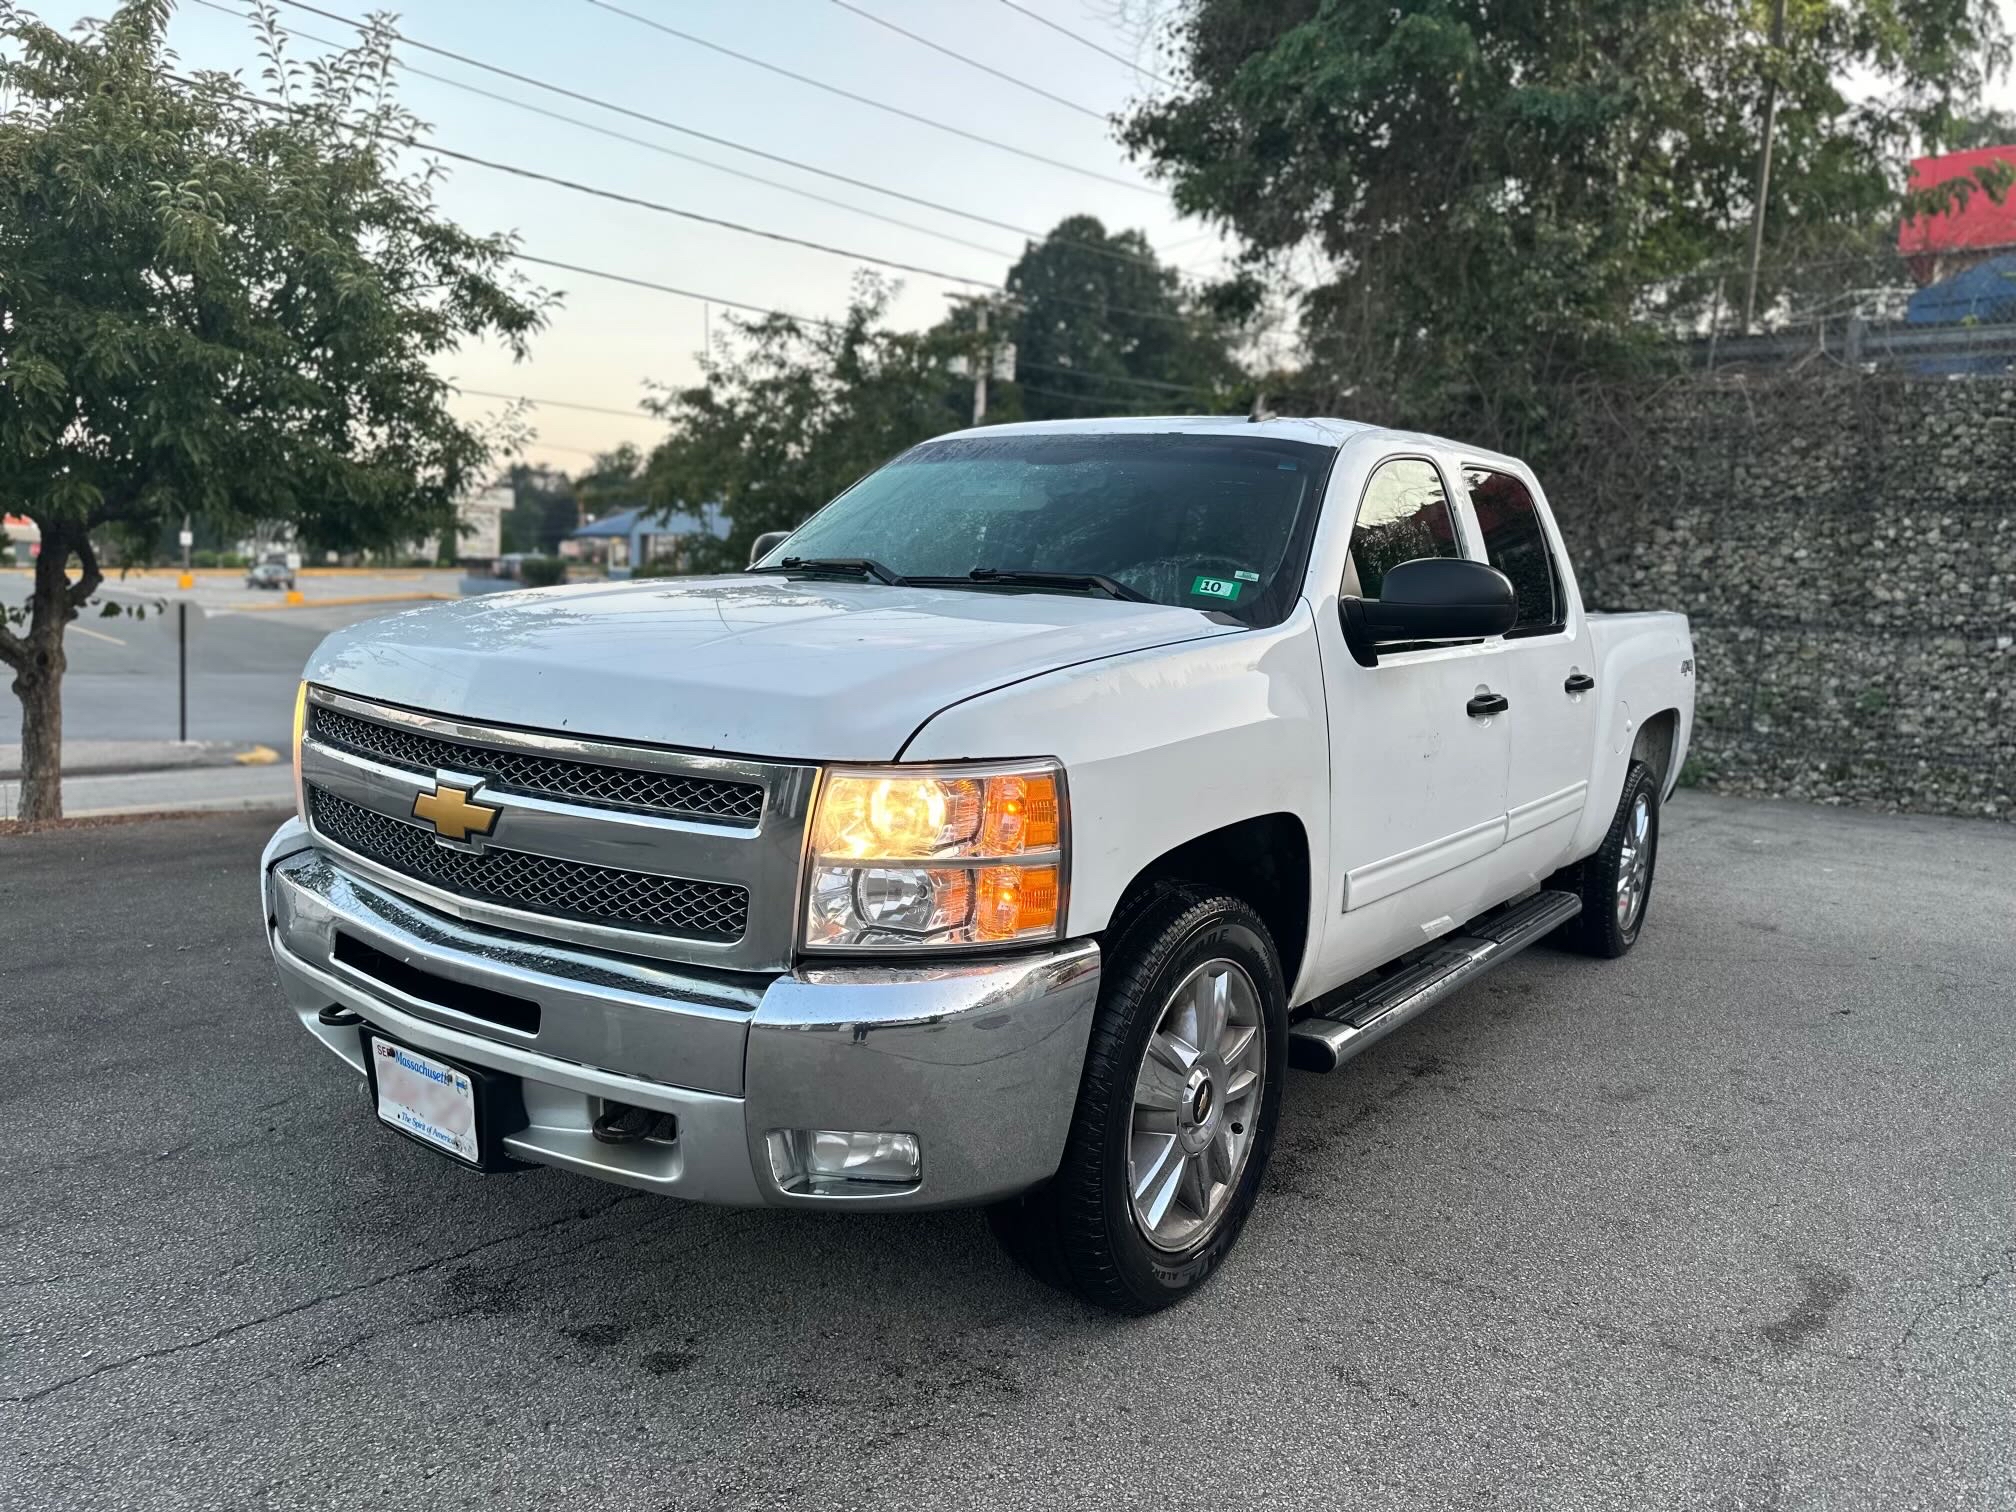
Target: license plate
426	1098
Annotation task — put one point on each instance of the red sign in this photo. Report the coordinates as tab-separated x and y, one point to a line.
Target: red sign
1980	225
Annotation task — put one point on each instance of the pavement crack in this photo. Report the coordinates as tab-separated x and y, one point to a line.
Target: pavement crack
421	1268
2004	1266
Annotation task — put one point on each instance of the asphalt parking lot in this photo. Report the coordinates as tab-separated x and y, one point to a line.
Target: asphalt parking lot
245	650
1728	1224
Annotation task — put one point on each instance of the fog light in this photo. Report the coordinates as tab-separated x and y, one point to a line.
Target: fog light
823	1158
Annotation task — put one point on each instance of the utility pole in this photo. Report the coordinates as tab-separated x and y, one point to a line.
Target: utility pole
982	363
1764	164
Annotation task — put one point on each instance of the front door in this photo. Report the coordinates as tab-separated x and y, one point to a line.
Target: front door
1417	778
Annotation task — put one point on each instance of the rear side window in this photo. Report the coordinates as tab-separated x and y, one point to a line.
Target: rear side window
1516	544
1405	516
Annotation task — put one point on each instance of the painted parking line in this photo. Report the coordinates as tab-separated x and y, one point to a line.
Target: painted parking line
96	635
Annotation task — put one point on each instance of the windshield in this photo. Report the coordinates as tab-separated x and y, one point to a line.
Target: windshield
1205	522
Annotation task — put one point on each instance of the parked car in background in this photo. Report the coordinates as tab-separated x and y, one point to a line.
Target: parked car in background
1000	837
276	575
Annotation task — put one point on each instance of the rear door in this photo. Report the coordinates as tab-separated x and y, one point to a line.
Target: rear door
1545	669
1417	781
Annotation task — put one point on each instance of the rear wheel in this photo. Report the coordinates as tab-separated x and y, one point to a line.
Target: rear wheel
1176	1111
1615	884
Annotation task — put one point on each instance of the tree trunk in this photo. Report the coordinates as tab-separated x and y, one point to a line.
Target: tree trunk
38	661
41	695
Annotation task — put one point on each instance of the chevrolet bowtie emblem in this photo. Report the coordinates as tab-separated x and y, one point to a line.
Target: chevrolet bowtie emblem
451	813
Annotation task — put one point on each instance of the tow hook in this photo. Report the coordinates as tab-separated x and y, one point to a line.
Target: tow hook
624	1123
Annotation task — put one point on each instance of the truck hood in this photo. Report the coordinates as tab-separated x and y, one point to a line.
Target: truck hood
752	666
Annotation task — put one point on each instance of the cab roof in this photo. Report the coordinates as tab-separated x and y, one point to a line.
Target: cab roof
1318	431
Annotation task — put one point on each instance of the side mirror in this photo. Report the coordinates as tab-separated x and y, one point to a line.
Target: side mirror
1430	599
765	544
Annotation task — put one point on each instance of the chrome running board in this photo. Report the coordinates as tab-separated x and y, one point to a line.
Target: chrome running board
1359	1014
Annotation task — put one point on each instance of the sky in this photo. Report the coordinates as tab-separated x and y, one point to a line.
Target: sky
606	340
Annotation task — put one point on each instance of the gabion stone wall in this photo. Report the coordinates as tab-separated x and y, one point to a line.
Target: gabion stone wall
1846	548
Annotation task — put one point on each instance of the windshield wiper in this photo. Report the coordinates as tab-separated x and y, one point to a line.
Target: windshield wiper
1020	578
861	567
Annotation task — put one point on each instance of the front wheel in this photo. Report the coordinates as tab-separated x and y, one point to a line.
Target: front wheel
1616	883
1176	1110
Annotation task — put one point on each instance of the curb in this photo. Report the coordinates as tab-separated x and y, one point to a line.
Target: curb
349	598
246	804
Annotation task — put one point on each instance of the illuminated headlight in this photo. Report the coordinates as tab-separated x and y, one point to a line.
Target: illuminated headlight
930	857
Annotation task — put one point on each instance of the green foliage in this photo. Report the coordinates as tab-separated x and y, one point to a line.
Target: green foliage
1502	194
541	571
615	481
789	413
1102	306
543	509
220	310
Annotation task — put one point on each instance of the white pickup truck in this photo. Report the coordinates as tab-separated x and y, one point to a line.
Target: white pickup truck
999	838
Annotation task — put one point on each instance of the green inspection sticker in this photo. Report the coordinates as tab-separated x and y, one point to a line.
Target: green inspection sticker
1215	587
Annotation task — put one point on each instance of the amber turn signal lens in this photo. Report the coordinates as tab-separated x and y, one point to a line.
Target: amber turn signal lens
1013	901
1020	815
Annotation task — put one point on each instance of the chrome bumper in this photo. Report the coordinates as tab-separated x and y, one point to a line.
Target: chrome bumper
980	1061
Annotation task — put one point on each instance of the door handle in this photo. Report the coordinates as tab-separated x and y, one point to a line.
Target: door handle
1578	682
1486	703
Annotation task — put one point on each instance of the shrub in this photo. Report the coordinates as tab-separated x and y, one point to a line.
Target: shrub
660	567
541	572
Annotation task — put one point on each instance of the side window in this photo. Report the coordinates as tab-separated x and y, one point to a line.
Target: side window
1516	544
1405	516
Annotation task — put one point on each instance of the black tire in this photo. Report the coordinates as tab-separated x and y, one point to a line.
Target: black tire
1079	1231
1602	928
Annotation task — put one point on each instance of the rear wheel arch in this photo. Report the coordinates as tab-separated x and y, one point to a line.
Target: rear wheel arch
1658	738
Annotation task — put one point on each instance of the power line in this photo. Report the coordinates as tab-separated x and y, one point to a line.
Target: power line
985	68
1087	42
566	404
756	309
1092	400
516	171
658	147
693	215
536	443
705	136
424	145
871	102
663	288
1147	383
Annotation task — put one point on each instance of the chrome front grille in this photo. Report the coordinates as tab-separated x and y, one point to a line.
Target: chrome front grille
542	776
538	884
639	849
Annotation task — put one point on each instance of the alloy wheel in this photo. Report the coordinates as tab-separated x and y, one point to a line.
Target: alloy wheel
1196	1105
1634	864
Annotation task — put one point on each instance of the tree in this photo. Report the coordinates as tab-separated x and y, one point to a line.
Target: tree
615	481
1502	193
789	412
1103	327
218	308
543	509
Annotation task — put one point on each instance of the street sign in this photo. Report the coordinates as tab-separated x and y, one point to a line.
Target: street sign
185	537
